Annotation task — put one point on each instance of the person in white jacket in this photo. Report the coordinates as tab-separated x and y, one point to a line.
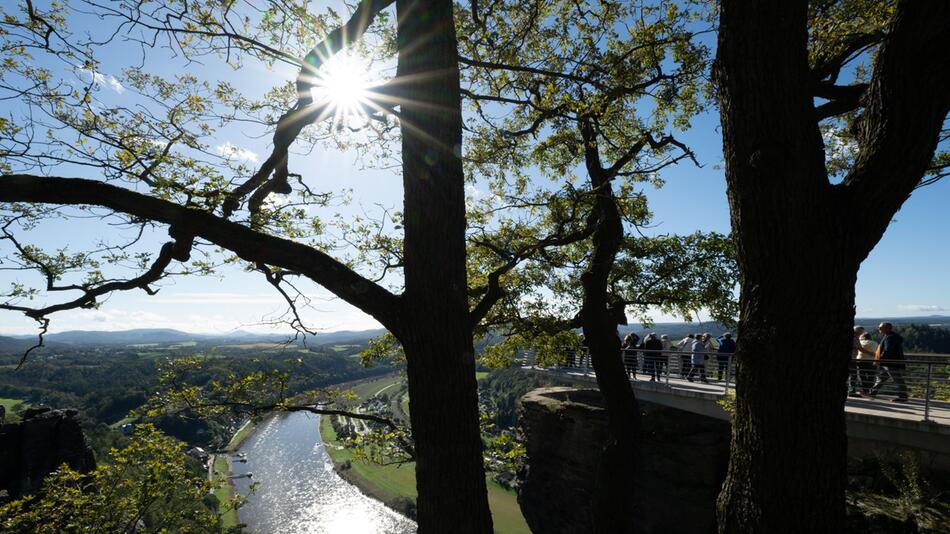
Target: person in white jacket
865	371
684	347
699	355
665	364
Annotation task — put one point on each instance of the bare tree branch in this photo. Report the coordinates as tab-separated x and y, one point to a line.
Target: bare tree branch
248	244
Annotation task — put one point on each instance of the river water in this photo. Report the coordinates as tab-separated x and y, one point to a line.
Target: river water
297	491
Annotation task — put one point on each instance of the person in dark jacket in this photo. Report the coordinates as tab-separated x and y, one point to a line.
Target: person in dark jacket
652	356
890	362
628	349
727	346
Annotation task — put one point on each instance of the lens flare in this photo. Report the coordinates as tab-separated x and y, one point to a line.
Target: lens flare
343	84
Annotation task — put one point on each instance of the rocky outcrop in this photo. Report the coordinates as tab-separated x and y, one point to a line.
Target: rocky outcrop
37	445
683	464
684	459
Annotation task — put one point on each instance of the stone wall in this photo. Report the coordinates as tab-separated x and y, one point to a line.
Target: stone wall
37	445
892	490
683	464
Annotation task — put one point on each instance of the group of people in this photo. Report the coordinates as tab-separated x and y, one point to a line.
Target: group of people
873	364
694	350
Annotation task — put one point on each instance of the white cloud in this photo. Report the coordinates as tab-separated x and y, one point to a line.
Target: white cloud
231	151
922	307
103	80
216	298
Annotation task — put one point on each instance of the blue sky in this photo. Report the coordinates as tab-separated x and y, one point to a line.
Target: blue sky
905	275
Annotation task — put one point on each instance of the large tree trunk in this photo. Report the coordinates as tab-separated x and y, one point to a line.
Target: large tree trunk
787	463
613	501
800	241
437	332
787	469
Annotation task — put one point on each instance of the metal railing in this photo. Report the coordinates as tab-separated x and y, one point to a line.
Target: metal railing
923	380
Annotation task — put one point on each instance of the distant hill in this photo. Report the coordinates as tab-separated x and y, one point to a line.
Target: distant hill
677	331
169	336
344	336
10	344
124	337
930	320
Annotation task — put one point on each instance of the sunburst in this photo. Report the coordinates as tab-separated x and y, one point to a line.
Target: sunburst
343	85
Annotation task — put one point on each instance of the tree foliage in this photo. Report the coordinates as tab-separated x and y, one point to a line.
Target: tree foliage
147	486
570	103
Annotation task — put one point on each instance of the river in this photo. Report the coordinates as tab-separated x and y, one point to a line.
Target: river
297	491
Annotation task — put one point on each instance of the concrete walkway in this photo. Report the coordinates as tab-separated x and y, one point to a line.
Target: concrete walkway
876	419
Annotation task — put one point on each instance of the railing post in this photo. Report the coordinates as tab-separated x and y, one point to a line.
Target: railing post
669	368
728	371
927	391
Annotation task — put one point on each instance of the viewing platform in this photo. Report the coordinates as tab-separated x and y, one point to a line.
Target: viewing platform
923	422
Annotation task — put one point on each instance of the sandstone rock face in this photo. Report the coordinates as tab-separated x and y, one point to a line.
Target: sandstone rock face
684	459
36	446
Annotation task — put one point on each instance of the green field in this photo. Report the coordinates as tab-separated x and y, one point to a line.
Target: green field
242	434
121	422
387	384
391	481
224	491
10	404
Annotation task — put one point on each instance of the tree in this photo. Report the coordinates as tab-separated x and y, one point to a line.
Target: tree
801	237
148	486
587	95
161	176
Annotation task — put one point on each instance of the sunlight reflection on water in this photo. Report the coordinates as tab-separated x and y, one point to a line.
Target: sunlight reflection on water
297	490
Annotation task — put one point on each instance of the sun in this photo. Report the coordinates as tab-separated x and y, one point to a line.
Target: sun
343	84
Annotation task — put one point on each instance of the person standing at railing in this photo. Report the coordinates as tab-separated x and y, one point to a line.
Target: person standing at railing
727	346
651	356
665	360
865	365
699	356
890	362
856	375
629	351
684	347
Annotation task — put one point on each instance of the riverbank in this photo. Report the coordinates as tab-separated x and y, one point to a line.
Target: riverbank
246	430
220	477
395	486
219	473
395	495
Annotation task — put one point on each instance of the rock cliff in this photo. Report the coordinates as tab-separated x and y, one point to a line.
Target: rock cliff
683	464
37	445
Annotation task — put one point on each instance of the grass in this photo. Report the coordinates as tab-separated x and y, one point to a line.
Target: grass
121	422
479	375
400	481
242	434
10	404
224	491
13	407
369	388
